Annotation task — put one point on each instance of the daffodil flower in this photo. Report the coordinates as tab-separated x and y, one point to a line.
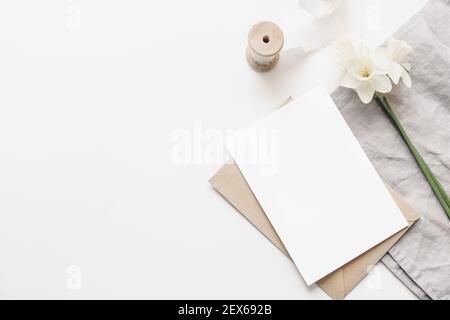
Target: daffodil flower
397	51
365	72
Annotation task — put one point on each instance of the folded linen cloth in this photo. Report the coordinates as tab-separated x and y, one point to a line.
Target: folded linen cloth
421	259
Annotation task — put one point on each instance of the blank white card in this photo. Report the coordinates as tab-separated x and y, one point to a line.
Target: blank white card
315	184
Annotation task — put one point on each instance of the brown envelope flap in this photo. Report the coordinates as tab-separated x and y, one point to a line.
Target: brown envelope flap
354	271
230	183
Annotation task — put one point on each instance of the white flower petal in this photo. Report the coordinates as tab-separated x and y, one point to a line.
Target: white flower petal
398	50
394	47
349	81
390	47
395	72
407	66
381	63
381	84
405	50
365	92
406	79
344	52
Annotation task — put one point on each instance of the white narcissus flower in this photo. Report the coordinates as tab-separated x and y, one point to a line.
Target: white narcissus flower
364	72
369	72
345	52
397	51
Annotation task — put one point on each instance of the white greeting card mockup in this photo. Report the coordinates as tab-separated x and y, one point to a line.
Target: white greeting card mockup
315	184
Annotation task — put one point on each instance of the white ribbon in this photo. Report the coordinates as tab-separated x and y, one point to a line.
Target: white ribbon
320	8
326	26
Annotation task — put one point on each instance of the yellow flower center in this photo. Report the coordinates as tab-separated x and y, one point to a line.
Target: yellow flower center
365	73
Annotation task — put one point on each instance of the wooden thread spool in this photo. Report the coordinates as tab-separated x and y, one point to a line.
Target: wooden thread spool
265	42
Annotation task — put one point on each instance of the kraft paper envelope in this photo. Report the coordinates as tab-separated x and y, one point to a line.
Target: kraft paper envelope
231	184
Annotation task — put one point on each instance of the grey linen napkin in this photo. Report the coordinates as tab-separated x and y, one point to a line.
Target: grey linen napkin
421	259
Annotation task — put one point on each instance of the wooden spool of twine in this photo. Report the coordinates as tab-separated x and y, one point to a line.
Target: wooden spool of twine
265	42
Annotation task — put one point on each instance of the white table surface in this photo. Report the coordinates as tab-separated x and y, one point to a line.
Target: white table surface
92	202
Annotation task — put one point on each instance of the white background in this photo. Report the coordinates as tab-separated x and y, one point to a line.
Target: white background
87	177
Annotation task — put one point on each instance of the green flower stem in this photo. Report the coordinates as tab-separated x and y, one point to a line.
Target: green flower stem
416	153
431	178
437	187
